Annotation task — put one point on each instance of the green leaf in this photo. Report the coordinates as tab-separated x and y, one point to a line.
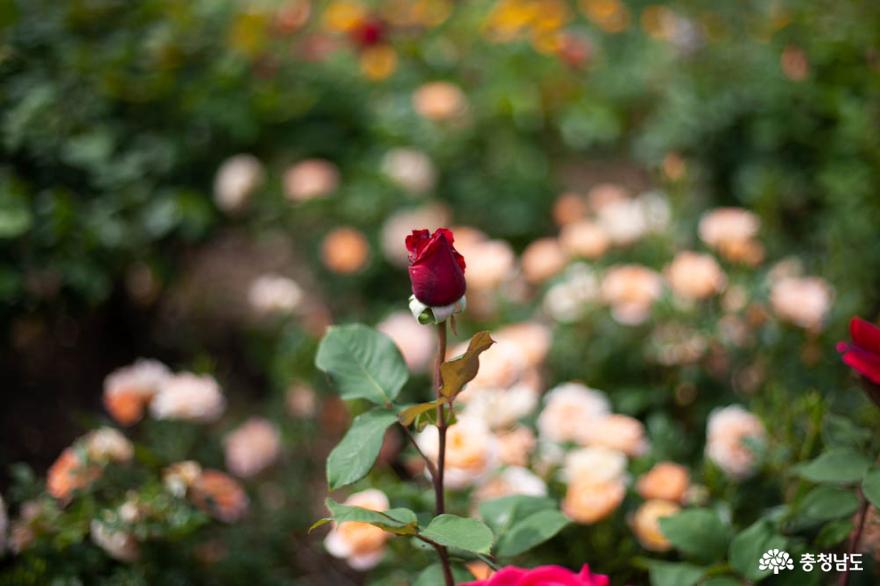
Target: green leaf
502	513
699	533
364	363
531	531
722	581
460	371
352	459
409	415
871	486
834	533
397	521
836	466
433	575
673	574
453	531
825	503
841	431
747	548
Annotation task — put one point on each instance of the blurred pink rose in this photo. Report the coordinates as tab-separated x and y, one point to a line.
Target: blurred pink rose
543	576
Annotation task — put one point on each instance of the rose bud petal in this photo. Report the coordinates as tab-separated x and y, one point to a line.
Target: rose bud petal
436	269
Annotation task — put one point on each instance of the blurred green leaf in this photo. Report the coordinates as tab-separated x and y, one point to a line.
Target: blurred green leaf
461	532
698	533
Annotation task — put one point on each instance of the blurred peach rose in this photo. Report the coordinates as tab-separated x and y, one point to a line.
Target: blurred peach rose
411	169
219	495
274	294
603	194
471	451
439	101
569	208
310	179
345	250
646	524
631	291
728	431
401	223
24	529
568	409
587	502
500	367
362	545
584	239
301	401
543	259
70	473
666	481
531	338
490	263
128	390
732	232
802	301
618	432
623	221
252	447
512	480
695	276
236	180
414	340
515	446
594	465
190	397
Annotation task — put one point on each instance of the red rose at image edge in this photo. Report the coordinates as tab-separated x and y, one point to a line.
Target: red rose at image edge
543	576
436	269
863	353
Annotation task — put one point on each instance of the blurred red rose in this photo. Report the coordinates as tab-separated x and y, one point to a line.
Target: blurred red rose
436	269
863	353
543	576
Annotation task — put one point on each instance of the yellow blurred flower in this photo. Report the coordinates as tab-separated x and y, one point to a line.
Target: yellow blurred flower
411	13
342	16
378	62
612	16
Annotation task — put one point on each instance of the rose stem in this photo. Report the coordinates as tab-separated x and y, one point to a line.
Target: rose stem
856	536
439	492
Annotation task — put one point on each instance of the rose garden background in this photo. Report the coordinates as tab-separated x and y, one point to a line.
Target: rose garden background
668	212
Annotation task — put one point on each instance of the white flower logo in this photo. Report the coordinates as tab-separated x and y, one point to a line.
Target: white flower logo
776	560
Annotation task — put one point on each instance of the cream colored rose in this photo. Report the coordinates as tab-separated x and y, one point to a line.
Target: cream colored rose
694	276
274	294
631	291
586	502
604	194
802	301
568	409
568	299
666	481
414	340
362	545
623	221
409	168
252	447
236	180
543	259
310	179
400	224
584	239
646	524
532	339
106	444
117	543
180	476
727	431
618	432
189	396
345	250
501	408
594	465
471	451
439	101
511	481
501	366
4	524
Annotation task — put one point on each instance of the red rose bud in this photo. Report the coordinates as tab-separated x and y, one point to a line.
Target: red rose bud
436	269
368	32
863	355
